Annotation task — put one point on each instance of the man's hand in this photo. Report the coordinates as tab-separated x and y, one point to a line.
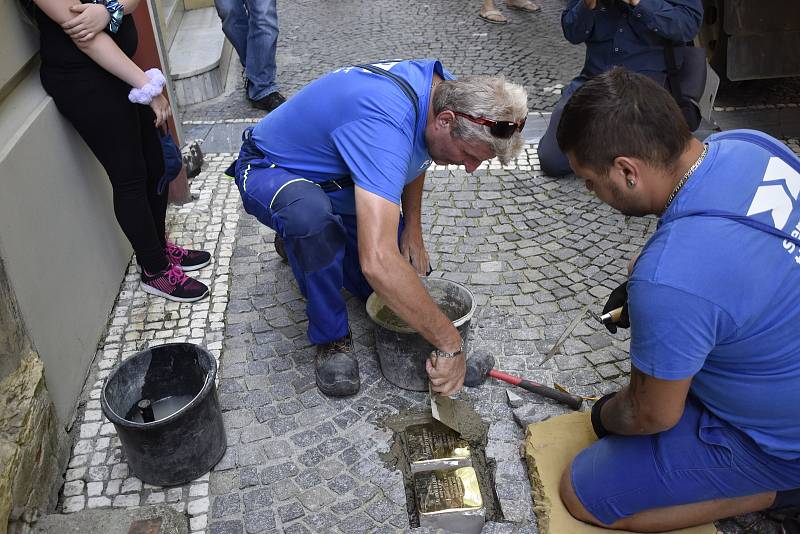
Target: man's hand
590	4
618	297
90	20
446	374
412	248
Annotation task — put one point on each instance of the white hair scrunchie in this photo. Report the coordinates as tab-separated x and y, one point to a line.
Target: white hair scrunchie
146	93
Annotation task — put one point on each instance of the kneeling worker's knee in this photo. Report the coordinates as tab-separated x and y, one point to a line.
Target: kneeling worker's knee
570	498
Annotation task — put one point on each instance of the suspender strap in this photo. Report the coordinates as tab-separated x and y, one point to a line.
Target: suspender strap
743	219
404	85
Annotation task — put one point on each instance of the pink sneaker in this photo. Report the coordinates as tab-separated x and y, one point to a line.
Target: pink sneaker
173	284
186	259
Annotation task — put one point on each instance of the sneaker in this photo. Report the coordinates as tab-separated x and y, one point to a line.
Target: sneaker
172	284
269	102
336	368
280	248
186	259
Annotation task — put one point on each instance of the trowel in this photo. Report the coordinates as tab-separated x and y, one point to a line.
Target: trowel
443	408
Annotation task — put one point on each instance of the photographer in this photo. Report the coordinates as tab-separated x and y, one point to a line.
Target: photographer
628	33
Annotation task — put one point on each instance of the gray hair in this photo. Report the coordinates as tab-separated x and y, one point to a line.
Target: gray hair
484	96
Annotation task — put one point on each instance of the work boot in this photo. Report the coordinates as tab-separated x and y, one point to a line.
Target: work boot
280	248
336	368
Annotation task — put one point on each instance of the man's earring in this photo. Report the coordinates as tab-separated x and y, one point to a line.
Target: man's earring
631	183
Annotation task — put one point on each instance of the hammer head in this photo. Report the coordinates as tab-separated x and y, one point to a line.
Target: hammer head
479	363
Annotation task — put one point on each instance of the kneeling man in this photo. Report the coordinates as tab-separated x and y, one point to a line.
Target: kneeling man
338	172
707	426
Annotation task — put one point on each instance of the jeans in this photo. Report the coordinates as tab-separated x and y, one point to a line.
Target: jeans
252	28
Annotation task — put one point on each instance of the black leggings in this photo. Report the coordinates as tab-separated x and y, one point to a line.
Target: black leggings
124	139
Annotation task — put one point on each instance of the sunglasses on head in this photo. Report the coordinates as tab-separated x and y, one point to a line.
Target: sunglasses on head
501	129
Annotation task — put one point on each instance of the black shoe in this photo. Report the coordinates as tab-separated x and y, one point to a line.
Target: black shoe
280	248
336	368
269	102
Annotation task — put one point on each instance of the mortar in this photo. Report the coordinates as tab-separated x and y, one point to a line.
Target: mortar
402	352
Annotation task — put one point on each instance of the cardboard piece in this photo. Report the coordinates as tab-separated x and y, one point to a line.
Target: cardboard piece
549	447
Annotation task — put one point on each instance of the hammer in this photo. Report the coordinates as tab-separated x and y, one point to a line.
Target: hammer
481	364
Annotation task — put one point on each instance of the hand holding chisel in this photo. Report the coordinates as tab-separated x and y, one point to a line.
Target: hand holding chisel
615	312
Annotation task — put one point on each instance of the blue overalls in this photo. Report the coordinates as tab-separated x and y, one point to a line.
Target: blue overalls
318	227
315	215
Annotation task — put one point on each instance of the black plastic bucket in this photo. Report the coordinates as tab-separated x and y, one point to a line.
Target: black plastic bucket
185	436
402	352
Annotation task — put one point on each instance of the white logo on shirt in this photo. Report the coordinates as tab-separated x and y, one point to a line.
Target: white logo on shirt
778	195
386	65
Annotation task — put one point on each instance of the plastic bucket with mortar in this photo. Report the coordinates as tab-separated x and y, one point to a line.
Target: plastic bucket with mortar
402	352
163	403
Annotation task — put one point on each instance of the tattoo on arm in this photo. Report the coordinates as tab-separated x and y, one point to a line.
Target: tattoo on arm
620	413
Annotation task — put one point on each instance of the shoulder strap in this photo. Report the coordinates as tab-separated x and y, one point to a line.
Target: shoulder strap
743	219
778	150
404	85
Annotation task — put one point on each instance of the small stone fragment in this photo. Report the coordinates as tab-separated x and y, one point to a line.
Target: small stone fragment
514	400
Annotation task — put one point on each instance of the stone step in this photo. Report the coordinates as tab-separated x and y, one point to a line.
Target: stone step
199	57
172	11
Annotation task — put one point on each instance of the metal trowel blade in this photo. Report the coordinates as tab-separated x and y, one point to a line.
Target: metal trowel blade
443	410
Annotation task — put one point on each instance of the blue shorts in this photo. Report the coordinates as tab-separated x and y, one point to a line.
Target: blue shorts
699	459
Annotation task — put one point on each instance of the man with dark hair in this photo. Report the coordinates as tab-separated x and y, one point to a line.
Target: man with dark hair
707	426
628	33
330	171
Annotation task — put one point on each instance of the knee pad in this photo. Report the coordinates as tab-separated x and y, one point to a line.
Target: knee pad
302	214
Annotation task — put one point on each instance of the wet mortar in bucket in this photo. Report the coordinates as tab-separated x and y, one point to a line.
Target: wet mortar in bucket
402	352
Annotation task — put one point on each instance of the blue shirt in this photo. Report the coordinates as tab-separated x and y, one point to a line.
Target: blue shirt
632	37
717	300
354	122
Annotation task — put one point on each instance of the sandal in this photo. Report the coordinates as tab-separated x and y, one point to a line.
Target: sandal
487	16
527	6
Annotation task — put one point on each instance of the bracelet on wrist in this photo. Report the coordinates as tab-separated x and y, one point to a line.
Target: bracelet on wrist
443	354
146	93
115	10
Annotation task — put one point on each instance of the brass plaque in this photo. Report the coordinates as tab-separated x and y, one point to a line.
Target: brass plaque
443	491
434	446
450	500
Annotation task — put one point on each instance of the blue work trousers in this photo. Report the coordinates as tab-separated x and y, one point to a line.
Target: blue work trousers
252	28
320	238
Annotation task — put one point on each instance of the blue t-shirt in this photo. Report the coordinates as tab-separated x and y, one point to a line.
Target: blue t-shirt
355	122
718	300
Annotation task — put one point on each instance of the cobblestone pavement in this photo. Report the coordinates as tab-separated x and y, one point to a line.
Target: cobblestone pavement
98	475
533	250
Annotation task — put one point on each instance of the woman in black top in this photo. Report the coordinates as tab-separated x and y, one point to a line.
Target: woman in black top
117	108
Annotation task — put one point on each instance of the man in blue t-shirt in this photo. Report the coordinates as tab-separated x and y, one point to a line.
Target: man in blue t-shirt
707	426
338	172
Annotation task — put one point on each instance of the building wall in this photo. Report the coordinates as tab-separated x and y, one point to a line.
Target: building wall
63	251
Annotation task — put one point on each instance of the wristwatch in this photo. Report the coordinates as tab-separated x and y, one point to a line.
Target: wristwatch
442	354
